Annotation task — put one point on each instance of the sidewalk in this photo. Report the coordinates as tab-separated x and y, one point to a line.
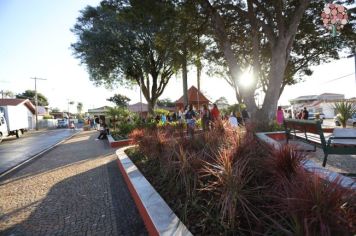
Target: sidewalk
74	189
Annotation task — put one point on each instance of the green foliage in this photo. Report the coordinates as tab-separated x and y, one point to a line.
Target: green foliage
345	111
161	112
47	117
79	108
119	100
126	128
30	94
131	42
167	102
7	94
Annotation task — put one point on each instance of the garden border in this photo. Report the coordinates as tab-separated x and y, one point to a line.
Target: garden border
309	165
156	214
120	143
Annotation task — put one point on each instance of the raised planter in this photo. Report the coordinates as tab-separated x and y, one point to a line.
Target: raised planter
159	219
120	143
272	138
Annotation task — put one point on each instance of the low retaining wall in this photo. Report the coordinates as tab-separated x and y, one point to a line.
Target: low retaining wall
156	214
270	139
120	143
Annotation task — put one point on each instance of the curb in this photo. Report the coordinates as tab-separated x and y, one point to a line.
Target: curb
157	216
310	165
121	143
11	169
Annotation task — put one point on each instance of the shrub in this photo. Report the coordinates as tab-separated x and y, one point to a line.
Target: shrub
224	181
345	111
314	206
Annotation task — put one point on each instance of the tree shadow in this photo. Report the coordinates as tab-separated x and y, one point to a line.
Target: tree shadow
84	204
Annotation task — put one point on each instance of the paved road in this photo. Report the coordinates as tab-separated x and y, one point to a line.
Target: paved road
74	189
14	151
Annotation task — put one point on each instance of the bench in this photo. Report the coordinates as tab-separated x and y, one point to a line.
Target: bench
340	142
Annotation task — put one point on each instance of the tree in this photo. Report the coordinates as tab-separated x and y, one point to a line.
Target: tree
128	42
79	107
222	100
190	26
30	94
119	100
166	103
277	39
7	94
345	111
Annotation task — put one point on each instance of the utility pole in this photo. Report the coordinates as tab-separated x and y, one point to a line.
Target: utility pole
36	100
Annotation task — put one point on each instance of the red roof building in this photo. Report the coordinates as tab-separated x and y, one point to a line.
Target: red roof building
17	101
195	97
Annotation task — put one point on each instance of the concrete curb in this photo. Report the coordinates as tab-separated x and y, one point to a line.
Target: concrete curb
310	165
37	155
158	218
121	143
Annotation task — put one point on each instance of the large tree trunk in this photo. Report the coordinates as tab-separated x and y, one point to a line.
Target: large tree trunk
276	75
151	106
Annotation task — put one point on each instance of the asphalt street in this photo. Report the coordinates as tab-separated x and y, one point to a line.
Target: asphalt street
14	151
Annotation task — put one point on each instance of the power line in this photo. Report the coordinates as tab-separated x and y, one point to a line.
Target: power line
338	78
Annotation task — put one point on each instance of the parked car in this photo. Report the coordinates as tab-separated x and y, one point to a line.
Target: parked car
351	121
62	123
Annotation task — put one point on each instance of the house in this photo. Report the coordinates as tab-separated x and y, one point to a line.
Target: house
140	108
100	112
323	103
26	105
195	97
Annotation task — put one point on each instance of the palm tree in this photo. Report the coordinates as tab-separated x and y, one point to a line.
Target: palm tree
79	108
345	111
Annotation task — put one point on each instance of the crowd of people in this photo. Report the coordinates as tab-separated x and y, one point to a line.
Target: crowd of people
208	117
303	114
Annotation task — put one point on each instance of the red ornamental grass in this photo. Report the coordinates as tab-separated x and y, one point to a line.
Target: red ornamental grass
318	207
229	179
284	162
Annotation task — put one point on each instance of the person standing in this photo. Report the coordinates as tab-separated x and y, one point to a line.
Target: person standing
190	119
215	113
205	117
305	114
279	115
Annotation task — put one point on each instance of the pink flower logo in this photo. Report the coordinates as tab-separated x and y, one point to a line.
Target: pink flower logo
334	16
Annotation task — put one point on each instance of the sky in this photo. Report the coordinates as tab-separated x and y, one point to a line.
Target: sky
35	42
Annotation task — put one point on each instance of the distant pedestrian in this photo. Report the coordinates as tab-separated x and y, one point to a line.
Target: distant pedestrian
206	117
305	114
215	113
245	115
190	119
279	115
233	120
103	132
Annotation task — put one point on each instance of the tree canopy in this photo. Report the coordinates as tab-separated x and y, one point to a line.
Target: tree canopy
167	102
277	40
119	100
128	42
30	94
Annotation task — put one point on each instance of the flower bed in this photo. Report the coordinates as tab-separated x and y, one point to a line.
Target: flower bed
224	182
117	140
